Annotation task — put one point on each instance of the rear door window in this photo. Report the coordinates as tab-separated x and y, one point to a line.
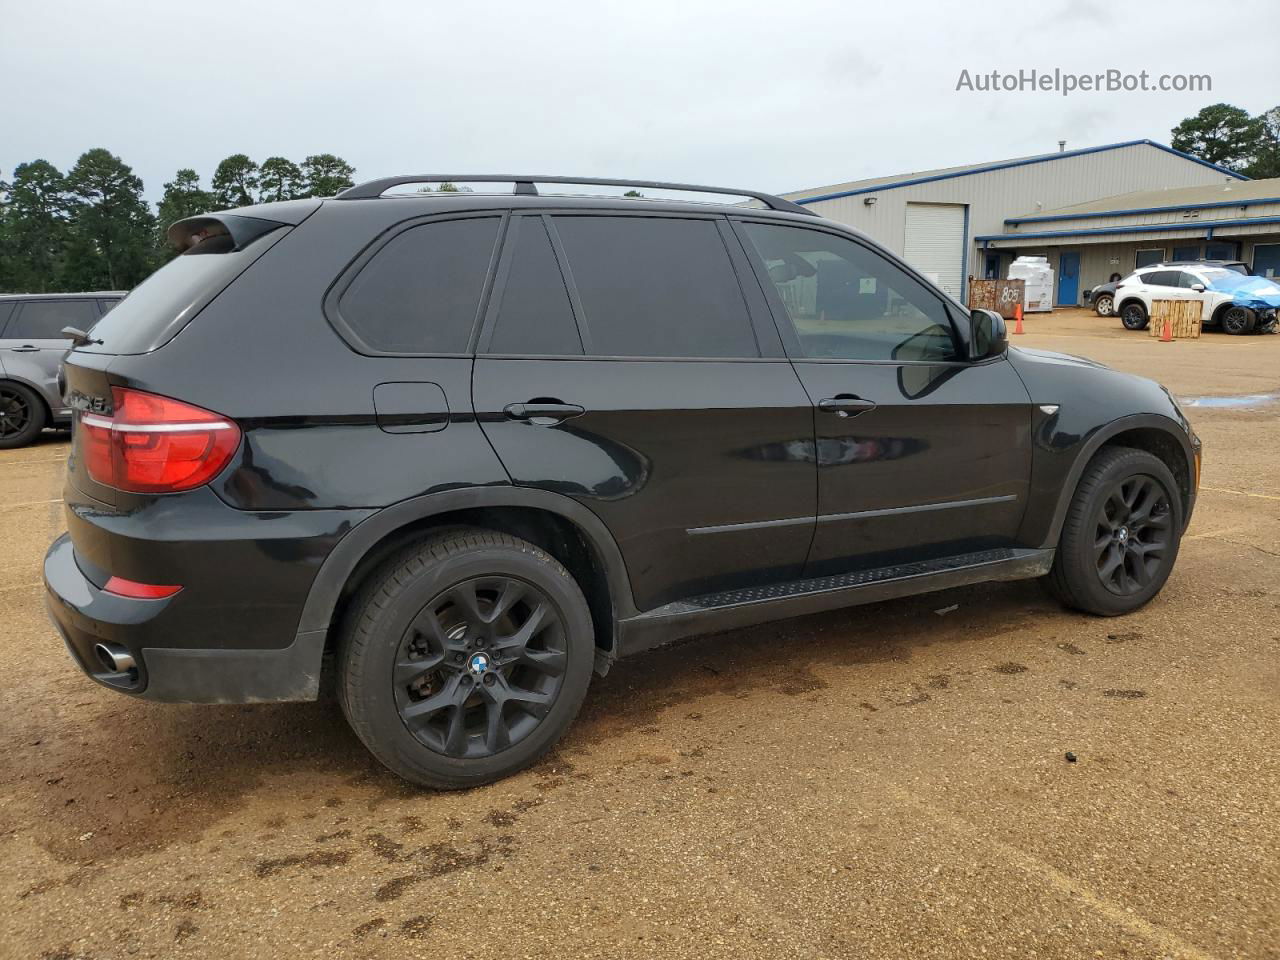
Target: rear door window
534	316
656	287
44	319
1161	278
419	293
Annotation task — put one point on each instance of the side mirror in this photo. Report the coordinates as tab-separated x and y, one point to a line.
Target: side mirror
988	336
1198	287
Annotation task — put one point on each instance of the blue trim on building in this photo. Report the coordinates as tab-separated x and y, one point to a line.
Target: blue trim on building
1007	164
1014	221
1138	228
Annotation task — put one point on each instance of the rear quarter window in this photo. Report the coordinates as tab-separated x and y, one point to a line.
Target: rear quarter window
155	310
419	293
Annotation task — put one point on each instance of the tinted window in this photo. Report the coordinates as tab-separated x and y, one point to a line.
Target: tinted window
44	319
1161	278
5	310
164	303
1185	280
420	292
847	302
534	316
655	287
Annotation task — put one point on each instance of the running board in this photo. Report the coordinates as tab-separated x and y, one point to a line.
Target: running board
730	609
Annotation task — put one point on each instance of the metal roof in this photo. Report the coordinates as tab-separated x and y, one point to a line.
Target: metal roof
815	194
1236	193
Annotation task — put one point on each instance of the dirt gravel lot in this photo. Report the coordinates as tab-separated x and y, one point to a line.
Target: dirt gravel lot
885	781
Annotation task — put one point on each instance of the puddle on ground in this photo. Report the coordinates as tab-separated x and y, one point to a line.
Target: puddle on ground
1240	400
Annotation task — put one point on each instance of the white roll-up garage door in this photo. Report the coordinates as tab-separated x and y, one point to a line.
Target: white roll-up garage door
935	243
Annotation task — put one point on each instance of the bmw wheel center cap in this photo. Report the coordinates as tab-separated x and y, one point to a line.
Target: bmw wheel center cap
478	665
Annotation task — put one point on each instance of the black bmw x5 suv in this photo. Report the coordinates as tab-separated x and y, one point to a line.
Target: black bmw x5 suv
465	449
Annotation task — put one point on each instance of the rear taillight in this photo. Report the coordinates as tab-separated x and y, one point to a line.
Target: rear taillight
154	444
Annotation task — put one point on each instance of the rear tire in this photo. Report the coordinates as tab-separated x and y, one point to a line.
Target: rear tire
22	415
1104	305
1121	534
433	674
1134	316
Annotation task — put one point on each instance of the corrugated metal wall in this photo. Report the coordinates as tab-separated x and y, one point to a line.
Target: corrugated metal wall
997	195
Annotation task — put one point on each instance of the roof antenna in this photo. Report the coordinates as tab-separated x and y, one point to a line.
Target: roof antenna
1062	146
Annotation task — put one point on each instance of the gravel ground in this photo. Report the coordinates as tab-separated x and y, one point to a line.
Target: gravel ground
886	781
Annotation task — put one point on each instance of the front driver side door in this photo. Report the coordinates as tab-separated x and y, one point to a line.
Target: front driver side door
921	453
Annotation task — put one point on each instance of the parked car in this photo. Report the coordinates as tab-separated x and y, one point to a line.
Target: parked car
1214	286
459	450
1102	297
32	346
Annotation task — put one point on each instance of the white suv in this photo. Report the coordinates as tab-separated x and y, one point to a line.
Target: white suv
1211	285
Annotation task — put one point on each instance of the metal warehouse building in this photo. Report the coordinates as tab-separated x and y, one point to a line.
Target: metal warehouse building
1092	212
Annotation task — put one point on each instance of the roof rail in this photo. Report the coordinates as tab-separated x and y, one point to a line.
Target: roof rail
526	185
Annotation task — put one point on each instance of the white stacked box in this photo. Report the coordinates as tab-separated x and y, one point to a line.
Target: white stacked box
1036	273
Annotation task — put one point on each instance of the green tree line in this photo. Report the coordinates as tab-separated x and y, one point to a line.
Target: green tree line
91	229
1232	138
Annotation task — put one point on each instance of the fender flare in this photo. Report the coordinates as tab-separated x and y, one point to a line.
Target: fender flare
342	561
1091	446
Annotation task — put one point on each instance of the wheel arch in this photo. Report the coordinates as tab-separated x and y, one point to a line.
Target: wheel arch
8	377
1156	434
566	529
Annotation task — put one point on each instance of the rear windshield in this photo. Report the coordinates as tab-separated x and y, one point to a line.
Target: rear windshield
155	310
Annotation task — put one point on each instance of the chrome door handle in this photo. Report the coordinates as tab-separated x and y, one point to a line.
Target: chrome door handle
540	411
845	405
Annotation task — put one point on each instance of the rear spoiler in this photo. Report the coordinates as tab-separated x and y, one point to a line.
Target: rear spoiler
242	228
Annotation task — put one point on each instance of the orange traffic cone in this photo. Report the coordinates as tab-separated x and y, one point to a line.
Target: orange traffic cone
1166	335
1017	318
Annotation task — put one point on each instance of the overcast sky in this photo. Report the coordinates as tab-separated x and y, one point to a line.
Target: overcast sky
776	96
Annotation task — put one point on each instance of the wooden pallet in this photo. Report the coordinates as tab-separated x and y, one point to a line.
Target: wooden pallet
1183	317
998	295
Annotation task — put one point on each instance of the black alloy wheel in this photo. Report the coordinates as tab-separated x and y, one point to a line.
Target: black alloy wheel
1132	534
480	666
1120	536
22	415
1237	320
1133	316
465	657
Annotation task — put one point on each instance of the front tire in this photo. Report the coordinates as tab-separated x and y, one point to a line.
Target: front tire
1121	534
22	415
1238	320
1104	305
1134	316
465	658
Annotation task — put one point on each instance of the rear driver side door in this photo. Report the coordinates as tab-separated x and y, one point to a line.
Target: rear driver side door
623	364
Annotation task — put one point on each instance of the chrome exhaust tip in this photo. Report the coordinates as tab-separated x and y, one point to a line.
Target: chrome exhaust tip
114	657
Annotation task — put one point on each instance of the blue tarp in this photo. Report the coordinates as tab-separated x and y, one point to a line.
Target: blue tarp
1256	293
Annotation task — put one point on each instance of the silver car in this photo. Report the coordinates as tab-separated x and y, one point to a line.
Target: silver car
31	350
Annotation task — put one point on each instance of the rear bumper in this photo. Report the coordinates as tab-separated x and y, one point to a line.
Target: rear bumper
86	616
